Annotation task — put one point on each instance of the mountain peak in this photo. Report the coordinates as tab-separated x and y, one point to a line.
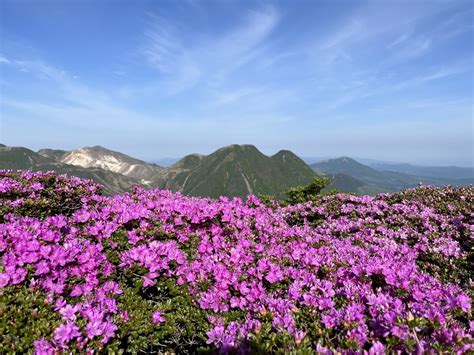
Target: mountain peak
285	153
344	165
97	148
234	147
55	154
247	150
343	159
189	161
347	160
238	170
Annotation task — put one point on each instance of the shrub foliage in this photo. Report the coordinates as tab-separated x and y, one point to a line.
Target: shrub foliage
152	271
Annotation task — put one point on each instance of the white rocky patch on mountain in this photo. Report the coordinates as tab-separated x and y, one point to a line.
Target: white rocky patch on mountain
106	159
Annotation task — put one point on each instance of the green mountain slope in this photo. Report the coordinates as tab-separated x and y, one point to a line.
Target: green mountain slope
54	154
20	158
238	170
349	184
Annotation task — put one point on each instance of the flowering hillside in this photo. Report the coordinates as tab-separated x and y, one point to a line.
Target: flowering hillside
154	271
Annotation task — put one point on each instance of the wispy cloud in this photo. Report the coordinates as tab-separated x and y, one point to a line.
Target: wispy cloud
428	77
4	60
410	48
72	98
210	60
229	97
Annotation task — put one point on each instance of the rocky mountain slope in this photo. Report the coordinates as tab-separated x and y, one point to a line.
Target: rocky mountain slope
106	159
16	158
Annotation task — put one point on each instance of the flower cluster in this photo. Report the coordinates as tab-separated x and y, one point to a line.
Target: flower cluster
42	194
340	274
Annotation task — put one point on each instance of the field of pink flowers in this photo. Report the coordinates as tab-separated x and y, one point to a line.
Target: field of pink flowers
152	271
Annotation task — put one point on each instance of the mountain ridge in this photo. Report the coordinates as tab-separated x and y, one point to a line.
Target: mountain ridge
381	180
427	171
233	170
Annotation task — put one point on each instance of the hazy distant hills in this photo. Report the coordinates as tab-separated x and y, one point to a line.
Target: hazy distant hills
236	170
165	162
380	180
444	172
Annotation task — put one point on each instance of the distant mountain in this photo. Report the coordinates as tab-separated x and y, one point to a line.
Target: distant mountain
381	180
344	165
16	158
312	160
369	161
100	157
166	162
446	172
54	154
365	161
237	170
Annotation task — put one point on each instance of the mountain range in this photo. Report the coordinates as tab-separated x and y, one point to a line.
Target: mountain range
235	170
391	177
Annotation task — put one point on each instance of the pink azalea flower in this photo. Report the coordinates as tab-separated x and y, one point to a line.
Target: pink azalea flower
156	317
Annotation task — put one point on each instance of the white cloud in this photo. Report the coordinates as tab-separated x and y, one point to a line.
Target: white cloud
4	60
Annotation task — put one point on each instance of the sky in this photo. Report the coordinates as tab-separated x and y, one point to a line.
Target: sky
387	80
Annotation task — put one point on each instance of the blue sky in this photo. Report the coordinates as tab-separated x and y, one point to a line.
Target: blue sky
390	80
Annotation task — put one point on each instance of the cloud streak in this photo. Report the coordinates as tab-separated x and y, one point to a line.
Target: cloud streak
208	61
